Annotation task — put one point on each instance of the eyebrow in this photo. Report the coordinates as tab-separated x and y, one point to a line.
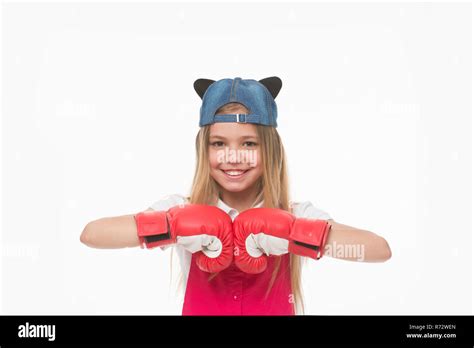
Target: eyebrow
216	136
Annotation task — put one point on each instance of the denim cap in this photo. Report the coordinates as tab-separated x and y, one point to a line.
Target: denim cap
257	96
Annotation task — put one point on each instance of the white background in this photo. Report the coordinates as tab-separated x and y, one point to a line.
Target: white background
99	117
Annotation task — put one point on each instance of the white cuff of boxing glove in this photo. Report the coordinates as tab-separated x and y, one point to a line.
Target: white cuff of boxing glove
260	243
211	246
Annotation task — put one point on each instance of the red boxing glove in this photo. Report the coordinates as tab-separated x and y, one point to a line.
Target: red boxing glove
198	228
261	232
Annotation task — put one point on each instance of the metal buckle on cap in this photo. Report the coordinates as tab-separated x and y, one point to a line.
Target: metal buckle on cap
241	118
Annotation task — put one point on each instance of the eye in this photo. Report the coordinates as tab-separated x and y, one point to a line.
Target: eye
250	144
217	143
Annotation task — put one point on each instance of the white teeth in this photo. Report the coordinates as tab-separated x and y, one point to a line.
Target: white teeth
234	172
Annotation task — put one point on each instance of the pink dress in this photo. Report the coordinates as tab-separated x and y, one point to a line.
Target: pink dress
233	292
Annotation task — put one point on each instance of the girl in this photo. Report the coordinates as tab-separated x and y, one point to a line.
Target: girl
239	263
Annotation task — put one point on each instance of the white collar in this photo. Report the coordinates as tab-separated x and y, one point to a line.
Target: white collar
231	211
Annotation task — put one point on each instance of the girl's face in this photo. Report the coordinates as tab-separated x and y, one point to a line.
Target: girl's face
234	155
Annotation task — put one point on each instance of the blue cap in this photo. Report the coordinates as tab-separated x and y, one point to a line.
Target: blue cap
257	96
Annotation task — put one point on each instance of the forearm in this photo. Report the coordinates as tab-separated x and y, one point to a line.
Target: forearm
111	233
352	244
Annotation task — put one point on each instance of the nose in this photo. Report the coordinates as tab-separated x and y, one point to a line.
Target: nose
231	155
234	157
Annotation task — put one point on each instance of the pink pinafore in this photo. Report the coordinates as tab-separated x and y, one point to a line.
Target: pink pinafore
233	292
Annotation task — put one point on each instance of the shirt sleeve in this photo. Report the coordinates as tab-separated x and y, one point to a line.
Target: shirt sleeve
308	210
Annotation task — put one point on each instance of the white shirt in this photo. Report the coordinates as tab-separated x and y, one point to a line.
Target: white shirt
303	209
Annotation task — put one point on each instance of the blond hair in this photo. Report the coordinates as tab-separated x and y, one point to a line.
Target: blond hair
272	187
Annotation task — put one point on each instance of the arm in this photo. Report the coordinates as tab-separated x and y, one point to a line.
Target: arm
111	233
352	244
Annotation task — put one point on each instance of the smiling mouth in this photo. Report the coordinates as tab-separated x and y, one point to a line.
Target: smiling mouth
234	173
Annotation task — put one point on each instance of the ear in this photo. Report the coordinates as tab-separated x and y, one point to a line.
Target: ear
201	86
273	84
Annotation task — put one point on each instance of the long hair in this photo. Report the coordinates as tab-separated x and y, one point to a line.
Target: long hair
272	187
